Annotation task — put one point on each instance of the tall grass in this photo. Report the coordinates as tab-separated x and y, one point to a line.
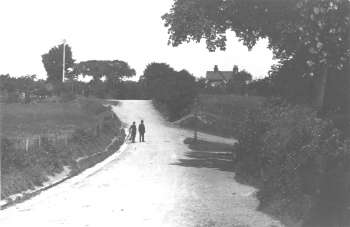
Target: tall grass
23	169
40	118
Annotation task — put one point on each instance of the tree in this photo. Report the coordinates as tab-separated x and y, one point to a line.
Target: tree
172	89
113	71
178	93
53	64
130	90
153	77
319	29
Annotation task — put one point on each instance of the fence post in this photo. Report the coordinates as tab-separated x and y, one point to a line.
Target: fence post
195	120
27	144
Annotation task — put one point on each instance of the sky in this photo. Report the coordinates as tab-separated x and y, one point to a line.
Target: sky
127	30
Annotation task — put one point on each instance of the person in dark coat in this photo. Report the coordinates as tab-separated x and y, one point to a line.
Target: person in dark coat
142	131
133	131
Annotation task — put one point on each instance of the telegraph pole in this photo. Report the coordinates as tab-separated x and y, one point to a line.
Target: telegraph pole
64	59
195	120
2	112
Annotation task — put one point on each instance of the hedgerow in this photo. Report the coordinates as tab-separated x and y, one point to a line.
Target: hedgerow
299	160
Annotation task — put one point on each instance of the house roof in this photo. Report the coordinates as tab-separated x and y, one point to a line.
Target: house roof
219	75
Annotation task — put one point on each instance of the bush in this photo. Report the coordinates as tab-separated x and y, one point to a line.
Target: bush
297	158
174	90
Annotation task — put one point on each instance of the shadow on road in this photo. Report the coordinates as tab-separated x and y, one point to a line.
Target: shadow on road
205	154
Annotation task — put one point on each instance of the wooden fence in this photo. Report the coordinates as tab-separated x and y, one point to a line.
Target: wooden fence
35	142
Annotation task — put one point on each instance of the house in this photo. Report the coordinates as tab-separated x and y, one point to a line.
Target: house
219	78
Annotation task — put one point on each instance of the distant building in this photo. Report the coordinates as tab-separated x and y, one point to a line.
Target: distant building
219	78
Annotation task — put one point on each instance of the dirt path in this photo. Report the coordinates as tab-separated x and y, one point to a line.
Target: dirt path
153	184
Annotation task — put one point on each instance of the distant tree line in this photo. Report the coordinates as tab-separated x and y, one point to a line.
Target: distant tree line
108	79
21	89
175	90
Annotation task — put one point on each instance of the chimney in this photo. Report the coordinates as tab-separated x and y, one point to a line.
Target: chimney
216	69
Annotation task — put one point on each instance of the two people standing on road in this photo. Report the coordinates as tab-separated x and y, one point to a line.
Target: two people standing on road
142	130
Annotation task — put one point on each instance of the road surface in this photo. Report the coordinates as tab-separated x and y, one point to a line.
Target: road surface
156	183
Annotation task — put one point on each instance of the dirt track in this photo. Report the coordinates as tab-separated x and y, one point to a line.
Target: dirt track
157	183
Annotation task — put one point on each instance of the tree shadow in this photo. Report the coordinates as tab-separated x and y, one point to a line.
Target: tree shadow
204	154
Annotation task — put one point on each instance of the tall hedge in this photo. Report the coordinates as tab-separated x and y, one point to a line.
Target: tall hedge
301	162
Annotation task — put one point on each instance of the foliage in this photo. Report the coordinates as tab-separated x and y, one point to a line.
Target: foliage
175	90
287	80
131	90
153	76
53	64
112	70
27	85
318	30
97	88
296	155
316	26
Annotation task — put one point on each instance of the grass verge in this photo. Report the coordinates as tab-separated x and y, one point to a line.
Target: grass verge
28	170
221	114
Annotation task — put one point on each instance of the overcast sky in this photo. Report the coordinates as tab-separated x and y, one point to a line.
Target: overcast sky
128	30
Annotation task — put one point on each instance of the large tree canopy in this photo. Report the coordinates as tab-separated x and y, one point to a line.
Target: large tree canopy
153	77
316	29
53	63
175	90
112	70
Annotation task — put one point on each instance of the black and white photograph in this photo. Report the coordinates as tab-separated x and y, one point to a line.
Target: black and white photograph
175	113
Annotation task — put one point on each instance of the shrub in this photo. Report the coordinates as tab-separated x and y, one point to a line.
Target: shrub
297	158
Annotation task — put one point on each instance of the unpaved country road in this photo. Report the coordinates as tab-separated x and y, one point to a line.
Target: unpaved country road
148	184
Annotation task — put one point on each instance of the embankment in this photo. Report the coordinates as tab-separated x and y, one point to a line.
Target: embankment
46	151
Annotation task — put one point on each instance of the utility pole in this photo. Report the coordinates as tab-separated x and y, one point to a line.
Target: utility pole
2	112
64	59
195	120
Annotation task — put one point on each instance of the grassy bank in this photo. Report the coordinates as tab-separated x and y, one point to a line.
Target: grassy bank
221	114
28	119
91	126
